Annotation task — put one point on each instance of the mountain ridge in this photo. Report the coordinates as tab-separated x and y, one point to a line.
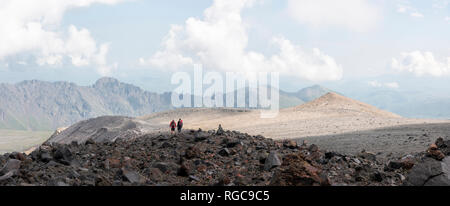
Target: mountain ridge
41	105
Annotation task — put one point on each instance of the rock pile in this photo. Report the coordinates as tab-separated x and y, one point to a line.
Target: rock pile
197	157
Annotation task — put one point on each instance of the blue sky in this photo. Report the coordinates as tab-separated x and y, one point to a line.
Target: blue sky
396	44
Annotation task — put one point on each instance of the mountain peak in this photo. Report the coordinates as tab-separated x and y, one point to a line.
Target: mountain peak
316	86
333	95
335	103
106	82
311	93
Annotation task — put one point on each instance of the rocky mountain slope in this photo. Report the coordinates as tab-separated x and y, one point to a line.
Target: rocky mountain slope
101	129
216	157
39	105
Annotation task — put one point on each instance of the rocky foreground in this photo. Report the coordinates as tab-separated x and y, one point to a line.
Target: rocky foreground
224	158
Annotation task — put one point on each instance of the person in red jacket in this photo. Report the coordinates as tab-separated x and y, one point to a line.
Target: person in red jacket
180	125
172	126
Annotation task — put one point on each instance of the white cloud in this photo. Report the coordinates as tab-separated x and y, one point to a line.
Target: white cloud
219	41
401	9
405	7
422	64
34	27
357	15
390	85
440	4
447	19
23	63
417	14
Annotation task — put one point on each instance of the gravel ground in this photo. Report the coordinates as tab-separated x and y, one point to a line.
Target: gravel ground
385	142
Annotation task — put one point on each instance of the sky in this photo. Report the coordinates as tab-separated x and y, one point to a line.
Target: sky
345	45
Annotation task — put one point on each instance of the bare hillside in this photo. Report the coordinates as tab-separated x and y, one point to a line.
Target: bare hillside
335	104
328	115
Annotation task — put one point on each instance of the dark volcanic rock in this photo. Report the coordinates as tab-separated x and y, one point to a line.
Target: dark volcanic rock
405	163
273	160
183	171
296	171
63	155
164	167
224	152
194	158
45	156
290	144
132	176
443	145
434	152
11	165
430	172
368	156
10	169
193	152
200	136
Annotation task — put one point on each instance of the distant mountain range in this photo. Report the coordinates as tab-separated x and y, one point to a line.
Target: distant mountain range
40	105
421	104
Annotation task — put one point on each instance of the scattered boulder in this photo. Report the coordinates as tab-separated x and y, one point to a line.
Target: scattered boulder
19	156
368	156
377	176
132	176
166	145
192	152
45	156
429	172
231	143
89	141
273	160
290	144
200	136
408	162
224	181
443	145
155	174
11	166
262	157
405	163
163	167
183	171
329	155
10	169
225	152
434	152
394	165
296	171
194	178
313	148
112	163
63	155
7	176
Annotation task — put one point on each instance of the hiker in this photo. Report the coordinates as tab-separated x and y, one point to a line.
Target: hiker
180	125
172	126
